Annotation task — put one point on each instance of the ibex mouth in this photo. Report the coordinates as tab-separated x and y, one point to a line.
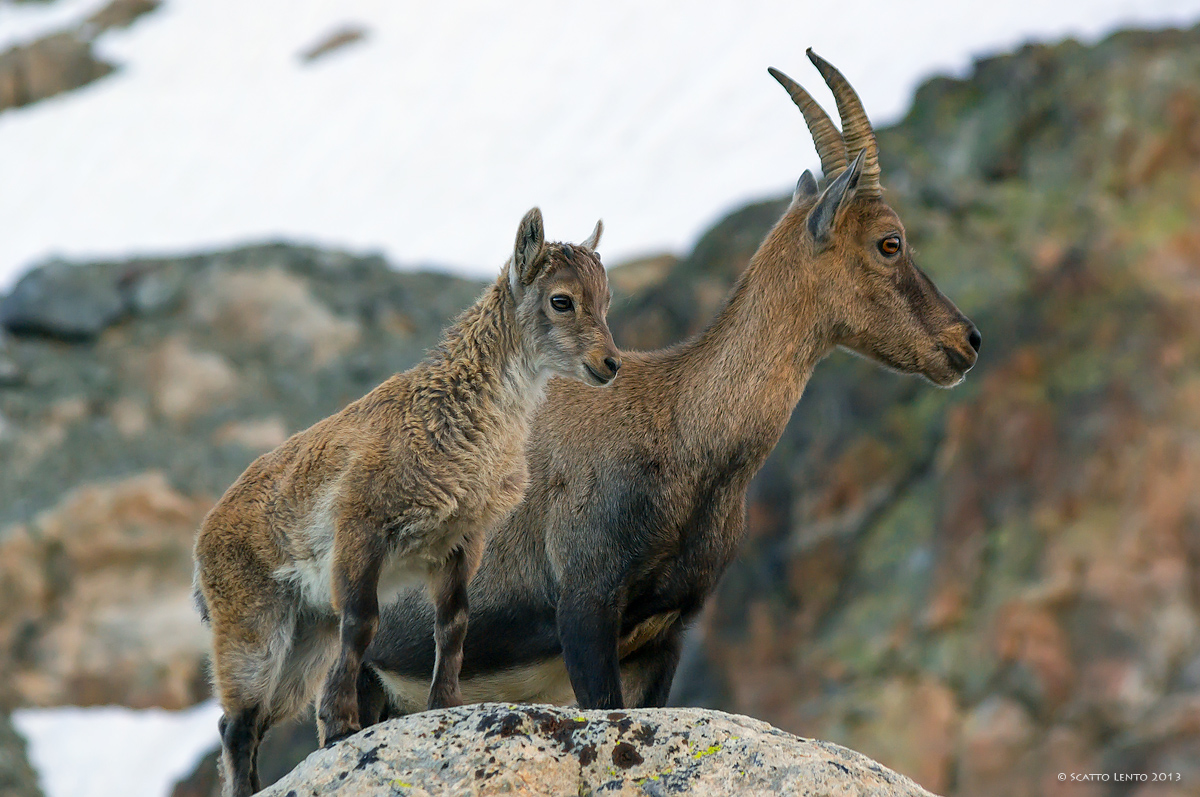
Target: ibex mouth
600	379
958	361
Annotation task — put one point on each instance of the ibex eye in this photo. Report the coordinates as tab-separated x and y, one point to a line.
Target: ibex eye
890	245
562	304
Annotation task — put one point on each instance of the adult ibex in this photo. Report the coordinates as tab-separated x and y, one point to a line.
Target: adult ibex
637	494
409	476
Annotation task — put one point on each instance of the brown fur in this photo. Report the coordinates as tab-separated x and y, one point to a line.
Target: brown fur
636	501
410	476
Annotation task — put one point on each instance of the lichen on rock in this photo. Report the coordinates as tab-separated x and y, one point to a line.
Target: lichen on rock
493	748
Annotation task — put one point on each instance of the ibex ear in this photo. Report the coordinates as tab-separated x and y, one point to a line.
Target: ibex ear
823	215
806	187
531	238
594	239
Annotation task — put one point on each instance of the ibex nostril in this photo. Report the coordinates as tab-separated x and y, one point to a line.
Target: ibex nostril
613	364
975	339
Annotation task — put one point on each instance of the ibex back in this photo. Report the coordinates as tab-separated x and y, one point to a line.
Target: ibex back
409	476
586	587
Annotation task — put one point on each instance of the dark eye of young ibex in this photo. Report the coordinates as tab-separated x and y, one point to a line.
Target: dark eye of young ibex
561	303
890	246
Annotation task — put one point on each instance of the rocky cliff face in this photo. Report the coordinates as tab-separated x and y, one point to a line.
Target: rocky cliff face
982	588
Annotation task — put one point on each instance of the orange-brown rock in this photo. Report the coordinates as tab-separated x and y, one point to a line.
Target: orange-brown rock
95	599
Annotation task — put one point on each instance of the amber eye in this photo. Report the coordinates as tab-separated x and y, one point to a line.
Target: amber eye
562	304
890	245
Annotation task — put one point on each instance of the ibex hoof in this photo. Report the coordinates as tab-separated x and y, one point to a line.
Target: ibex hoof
334	737
445	701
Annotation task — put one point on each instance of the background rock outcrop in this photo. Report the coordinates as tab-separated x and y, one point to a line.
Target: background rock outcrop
17	778
540	750
63	60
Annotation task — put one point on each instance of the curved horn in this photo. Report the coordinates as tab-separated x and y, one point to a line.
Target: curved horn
826	137
856	128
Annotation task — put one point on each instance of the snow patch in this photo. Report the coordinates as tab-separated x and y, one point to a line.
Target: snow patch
21	23
111	751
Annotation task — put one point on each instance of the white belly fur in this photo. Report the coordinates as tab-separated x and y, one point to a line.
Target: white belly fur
313	575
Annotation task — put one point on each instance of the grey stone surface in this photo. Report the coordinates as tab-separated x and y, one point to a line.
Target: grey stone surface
62	300
542	750
10	369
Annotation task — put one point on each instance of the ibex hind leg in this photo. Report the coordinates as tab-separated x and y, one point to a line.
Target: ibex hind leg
248	673
240	736
242	726
372	698
289	674
449	592
314	649
653	668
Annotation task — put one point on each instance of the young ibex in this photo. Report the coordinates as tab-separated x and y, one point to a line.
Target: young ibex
637	494
409	476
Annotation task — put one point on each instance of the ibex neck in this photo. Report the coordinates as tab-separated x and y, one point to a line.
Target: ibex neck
484	353
745	373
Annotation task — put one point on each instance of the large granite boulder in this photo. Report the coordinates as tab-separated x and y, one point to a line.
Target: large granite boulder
542	750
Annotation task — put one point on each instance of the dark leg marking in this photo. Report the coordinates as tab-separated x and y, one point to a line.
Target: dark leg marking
239	740
589	626
372	698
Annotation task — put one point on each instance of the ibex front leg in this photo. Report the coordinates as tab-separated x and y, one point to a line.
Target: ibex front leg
357	558
449	592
